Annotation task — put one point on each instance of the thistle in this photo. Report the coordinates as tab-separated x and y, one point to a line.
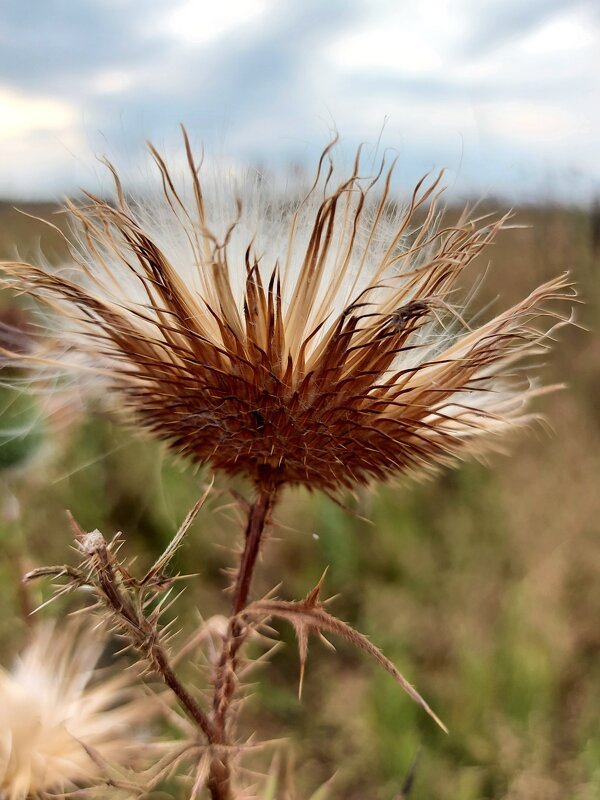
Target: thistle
59	717
316	339
319	344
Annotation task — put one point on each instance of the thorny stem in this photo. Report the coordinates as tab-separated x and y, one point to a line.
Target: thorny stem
147	642
164	668
144	634
225	682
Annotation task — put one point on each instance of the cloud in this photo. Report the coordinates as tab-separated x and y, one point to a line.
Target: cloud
56	46
494	89
493	25
253	87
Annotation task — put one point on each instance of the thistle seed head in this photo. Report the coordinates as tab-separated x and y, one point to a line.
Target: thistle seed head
308	339
55	710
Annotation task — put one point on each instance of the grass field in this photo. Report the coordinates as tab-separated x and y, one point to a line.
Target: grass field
482	585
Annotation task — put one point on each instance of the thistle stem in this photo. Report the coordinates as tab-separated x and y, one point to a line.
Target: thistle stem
225	682
257	520
145	637
188	703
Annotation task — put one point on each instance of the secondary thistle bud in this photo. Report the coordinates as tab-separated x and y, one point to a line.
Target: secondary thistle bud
56	709
92	543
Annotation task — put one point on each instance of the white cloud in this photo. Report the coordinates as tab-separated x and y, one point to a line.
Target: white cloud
113	81
475	86
200	21
539	126
20	115
415	39
566	33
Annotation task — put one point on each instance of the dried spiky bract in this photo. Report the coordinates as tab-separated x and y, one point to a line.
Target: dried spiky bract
301	339
58	717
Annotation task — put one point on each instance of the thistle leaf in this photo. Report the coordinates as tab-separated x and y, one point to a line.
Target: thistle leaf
309	614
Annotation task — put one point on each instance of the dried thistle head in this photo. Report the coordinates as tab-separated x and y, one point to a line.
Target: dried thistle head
59	717
310	339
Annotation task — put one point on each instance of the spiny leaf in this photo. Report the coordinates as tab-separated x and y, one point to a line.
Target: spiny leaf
312	598
309	614
118	776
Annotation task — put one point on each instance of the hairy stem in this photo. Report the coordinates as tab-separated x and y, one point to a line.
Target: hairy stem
225	682
257	520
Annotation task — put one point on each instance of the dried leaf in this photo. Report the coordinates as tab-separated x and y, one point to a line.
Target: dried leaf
310	614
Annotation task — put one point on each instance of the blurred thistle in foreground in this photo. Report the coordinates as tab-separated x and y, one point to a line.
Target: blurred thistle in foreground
59	717
315	338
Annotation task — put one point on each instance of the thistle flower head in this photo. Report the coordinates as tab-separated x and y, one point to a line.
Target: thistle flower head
309	339
53	706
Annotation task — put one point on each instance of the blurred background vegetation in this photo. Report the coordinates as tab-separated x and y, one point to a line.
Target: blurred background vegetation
482	585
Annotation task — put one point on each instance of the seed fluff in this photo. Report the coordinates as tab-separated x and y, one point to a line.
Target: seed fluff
56	708
310	339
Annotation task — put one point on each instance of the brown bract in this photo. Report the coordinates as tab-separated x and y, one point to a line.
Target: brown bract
295	339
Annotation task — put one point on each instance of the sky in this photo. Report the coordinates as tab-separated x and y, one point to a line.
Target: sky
505	93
